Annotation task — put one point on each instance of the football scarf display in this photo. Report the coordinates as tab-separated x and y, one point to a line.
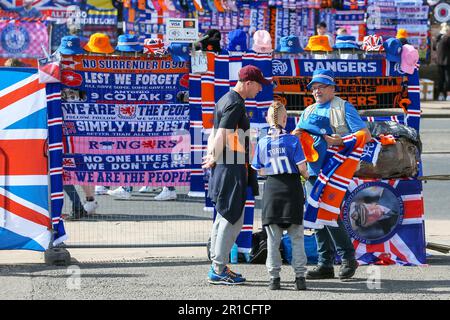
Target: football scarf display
324	202
257	108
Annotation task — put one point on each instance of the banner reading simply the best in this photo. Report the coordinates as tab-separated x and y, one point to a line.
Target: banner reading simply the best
123	124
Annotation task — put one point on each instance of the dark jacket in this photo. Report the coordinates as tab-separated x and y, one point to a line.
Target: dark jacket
443	50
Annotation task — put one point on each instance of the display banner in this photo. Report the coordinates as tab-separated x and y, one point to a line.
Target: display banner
367	84
23	39
362	92
123	80
346	85
122	122
385	221
25	220
86	17
341	68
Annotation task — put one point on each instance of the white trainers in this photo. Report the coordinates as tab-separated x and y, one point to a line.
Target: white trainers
100	190
90	206
120	192
145	190
166	194
441	97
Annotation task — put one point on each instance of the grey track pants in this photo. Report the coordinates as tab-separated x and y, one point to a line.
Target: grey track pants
299	259
223	236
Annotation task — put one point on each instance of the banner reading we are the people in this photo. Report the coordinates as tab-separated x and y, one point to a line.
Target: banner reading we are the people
123	124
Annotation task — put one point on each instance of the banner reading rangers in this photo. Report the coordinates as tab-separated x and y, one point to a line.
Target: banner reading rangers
123	124
367	84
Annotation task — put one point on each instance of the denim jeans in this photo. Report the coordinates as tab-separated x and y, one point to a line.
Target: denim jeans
331	239
74	197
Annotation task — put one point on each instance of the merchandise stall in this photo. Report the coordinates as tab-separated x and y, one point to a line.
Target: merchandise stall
384	214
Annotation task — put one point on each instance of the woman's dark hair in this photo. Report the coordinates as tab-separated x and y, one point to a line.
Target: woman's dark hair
321	25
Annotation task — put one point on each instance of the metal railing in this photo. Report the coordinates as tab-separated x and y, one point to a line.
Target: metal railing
140	221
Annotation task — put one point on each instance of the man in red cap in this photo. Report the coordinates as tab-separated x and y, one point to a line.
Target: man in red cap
228	158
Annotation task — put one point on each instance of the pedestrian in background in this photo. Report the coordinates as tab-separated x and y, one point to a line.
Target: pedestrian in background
442	47
322	30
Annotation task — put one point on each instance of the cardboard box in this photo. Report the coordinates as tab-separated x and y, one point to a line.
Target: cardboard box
426	89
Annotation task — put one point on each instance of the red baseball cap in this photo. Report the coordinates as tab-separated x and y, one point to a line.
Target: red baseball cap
252	73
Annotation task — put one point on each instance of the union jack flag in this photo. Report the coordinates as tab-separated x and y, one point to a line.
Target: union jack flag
25	221
404	243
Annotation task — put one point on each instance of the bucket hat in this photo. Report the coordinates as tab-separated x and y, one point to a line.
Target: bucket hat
179	51
318	43
262	42
153	46
409	59
346	42
290	44
128	43
70	45
402	34
237	40
99	43
393	48
324	76
372	43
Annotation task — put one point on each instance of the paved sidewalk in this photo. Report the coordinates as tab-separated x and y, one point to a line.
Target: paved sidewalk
437	231
435	109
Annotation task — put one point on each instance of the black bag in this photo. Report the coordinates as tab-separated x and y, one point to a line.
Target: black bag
258	252
397	160
397	130
241	256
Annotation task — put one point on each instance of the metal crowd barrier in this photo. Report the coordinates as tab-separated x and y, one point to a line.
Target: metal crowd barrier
141	221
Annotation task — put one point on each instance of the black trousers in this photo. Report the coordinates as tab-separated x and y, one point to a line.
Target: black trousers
444	79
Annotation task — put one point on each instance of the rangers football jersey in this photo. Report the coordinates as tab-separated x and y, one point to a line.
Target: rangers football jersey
278	154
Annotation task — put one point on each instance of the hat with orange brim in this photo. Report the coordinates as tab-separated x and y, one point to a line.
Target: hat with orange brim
318	43
99	43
